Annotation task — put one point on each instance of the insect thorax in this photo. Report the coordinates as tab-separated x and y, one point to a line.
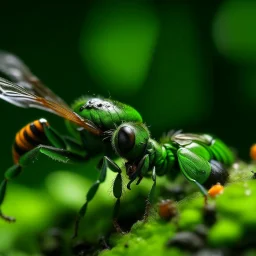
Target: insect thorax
106	114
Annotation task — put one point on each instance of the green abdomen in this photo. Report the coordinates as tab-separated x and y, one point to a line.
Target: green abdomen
221	152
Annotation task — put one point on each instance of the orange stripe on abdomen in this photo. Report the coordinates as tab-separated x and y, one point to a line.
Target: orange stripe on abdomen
30	136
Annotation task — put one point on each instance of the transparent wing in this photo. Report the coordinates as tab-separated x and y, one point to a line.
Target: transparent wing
187	138
27	91
12	68
21	97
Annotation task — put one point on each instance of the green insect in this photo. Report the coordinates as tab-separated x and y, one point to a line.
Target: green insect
107	127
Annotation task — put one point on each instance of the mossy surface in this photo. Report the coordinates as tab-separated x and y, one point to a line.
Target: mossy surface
225	225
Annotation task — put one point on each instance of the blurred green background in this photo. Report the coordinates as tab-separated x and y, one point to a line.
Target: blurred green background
182	64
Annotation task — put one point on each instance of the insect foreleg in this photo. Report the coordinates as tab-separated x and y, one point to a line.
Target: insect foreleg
12	172
57	154
141	171
151	195
117	189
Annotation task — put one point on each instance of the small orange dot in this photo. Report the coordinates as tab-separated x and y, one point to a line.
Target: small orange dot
215	190
253	152
167	209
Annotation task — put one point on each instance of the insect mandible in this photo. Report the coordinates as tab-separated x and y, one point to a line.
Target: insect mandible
99	125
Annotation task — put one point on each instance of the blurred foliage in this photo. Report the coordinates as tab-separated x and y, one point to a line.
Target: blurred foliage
183	64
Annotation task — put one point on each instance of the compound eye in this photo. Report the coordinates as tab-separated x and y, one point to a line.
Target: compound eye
126	139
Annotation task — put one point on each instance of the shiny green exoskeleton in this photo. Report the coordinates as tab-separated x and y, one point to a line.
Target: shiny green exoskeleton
107	127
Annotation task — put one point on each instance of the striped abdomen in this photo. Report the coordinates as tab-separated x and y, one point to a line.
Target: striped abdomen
28	138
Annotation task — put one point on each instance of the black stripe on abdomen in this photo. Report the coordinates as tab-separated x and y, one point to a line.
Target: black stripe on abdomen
34	130
18	149
30	140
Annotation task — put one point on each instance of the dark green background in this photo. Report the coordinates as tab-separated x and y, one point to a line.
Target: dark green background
182	64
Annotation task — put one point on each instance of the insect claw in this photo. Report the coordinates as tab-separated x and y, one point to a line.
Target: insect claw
139	180
133	178
129	185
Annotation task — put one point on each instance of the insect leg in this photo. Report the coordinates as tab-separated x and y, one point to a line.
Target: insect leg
194	167
12	172
59	141
151	195
28	158
117	189
142	170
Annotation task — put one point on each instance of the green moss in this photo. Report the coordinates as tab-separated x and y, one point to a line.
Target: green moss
225	233
189	219
143	240
235	225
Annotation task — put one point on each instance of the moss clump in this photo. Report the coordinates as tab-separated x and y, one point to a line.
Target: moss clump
232	228
225	233
190	218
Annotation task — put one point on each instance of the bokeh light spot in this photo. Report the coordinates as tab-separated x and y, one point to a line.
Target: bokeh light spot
70	188
234	29
117	44
67	188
